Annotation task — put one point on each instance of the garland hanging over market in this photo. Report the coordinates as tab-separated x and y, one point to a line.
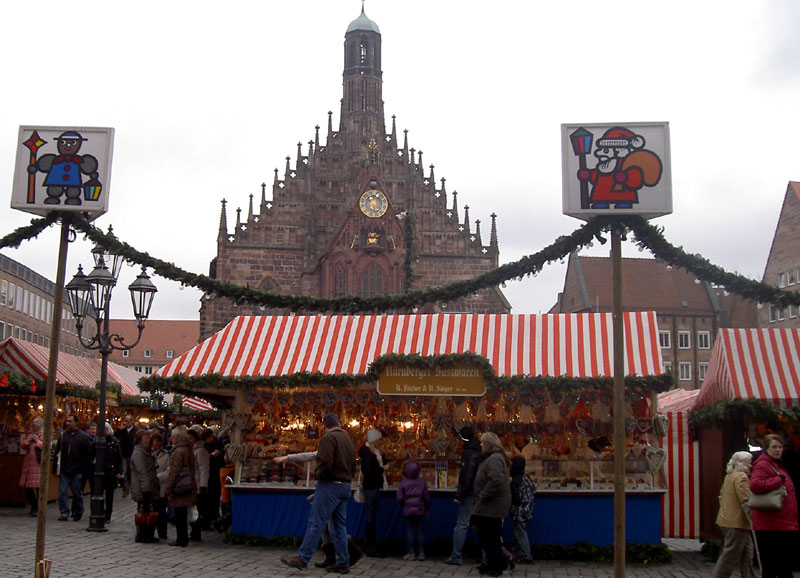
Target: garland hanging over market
645	235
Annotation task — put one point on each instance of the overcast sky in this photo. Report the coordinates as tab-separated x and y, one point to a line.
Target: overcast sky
207	98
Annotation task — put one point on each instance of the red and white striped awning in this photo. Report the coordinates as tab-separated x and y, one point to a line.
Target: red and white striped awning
196	403
578	345
753	364
32	359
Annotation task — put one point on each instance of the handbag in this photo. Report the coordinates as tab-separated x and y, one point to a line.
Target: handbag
184	484
358	495
38	452
772	500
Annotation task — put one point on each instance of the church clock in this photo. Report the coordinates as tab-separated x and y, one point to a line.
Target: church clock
373	203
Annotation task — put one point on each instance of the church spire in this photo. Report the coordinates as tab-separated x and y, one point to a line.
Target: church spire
493	235
223	223
478	233
250	210
466	218
263	207
362	84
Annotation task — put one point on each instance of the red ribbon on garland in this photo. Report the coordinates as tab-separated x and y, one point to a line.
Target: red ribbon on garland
4	380
33	385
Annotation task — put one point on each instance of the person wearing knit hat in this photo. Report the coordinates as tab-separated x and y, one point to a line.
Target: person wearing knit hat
464	492
373	480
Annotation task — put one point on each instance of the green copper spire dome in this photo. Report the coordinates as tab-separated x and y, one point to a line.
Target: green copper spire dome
363	23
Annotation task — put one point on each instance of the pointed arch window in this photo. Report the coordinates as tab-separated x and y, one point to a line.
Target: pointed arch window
371	281
340	274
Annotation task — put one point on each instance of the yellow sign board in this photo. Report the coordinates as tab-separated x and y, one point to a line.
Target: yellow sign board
455	380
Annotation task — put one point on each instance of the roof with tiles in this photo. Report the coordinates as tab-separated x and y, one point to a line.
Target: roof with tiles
647	284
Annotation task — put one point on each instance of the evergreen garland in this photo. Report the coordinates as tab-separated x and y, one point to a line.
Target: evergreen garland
646	236
733	410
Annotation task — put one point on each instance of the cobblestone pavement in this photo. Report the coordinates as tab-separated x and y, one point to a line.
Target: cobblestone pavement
76	553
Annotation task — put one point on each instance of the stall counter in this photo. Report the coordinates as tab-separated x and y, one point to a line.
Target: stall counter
559	517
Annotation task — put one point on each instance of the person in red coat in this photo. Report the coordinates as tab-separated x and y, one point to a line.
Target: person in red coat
30	465
776	530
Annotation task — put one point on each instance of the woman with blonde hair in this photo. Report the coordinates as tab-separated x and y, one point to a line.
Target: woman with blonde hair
492	501
737	545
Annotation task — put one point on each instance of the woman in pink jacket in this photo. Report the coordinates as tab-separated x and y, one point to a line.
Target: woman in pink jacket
30	465
776	530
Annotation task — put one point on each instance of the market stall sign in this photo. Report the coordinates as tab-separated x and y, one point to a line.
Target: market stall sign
461	379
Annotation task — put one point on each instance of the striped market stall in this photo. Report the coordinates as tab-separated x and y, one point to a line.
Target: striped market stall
681	511
545	389
751	371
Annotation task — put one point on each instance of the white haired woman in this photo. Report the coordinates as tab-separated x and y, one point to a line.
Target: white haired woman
737	545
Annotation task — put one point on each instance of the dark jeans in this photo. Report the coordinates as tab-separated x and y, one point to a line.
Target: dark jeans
489	530
777	550
109	485
415	536
373	499
160	506
73	483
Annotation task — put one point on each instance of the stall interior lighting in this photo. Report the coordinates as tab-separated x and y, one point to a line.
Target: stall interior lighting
354	423
144	420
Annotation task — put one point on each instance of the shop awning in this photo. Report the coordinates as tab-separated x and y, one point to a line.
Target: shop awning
753	364
196	403
32	360
576	345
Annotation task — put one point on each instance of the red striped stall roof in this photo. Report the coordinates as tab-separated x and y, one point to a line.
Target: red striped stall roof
579	345
197	403
753	364
32	359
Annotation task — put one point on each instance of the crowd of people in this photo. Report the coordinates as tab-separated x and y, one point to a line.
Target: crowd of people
772	529
171	473
490	488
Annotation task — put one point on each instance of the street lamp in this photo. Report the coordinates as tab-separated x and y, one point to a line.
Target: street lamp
90	296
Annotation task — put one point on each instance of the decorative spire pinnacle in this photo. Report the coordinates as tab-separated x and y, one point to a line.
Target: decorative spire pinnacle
298	162
288	168
455	205
478	232
223	223
405	144
263	208
330	125
422	169
394	131
275	180
413	155
310	148
238	218
466	218
250	210
493	236
433	179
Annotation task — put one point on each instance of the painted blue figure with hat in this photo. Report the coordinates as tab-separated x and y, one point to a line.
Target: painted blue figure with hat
66	169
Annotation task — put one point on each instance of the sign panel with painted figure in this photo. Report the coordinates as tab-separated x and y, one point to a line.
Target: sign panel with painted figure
62	169
616	169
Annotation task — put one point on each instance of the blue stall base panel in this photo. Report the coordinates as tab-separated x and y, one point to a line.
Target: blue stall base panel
558	518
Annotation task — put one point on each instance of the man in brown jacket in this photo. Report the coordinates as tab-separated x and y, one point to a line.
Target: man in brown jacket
336	466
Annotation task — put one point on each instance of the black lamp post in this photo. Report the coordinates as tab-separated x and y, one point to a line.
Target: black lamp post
90	296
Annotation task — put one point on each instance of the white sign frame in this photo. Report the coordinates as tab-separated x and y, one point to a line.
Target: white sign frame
636	180
64	169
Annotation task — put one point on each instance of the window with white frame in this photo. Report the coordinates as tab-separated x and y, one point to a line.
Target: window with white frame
781	279
3	292
781	315
791	276
792	311
19	298
702	369
684	339
703	340
685	371
125	353
665	339
773	314
17	331
148	353
170	353
26	302
667	367
2	329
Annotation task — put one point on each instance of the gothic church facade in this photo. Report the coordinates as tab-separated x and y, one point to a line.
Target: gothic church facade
336	221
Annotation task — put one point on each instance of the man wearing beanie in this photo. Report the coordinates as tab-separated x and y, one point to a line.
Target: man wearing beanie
373	475
464	492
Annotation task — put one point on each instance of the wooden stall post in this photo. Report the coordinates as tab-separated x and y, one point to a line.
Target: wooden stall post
619	406
50	398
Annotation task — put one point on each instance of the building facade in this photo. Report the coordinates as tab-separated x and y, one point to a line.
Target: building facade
783	263
27	308
689	311
162	341
357	214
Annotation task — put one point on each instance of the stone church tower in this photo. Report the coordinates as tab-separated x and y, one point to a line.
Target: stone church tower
335	224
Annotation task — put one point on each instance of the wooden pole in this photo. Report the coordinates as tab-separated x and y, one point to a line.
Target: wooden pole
50	398
619	406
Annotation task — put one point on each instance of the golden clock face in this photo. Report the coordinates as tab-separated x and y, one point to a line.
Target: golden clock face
373	203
